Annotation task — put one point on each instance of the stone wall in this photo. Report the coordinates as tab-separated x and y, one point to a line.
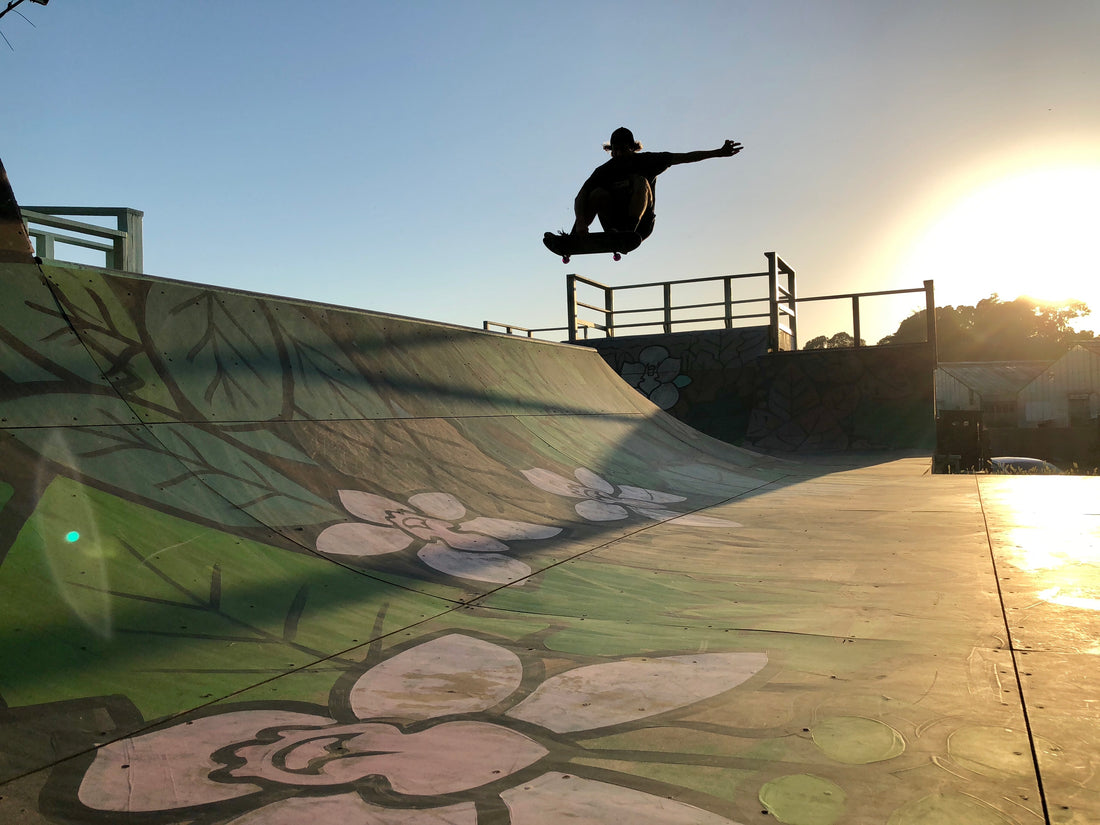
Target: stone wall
725	383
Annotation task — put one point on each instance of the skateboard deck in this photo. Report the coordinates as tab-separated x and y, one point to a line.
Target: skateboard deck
618	243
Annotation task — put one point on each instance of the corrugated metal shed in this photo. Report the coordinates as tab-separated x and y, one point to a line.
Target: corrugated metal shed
992	386
1067	393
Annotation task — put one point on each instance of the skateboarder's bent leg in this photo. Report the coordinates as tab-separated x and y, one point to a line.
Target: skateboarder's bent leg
619	207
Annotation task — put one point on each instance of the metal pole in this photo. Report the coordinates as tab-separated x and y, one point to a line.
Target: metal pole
855	318
571	306
792	302
930	320
773	304
609	309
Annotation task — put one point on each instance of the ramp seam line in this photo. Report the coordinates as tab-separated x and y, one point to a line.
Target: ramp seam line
1012	653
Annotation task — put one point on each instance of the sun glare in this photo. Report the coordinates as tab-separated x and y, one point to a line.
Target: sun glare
1030	234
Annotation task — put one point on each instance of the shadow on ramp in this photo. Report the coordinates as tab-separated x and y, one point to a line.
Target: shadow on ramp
265	560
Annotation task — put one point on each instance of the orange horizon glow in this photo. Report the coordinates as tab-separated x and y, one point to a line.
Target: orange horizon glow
1022	226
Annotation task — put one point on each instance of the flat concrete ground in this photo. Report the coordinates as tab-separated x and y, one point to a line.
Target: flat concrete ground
994	584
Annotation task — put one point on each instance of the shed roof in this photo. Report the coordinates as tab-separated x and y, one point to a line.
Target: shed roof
994	378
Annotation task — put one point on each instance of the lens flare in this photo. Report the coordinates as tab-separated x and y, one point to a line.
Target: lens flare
1031	233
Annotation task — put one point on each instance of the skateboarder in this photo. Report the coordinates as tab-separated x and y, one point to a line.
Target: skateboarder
621	192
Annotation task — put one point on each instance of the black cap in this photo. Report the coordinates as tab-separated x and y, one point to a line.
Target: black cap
623	137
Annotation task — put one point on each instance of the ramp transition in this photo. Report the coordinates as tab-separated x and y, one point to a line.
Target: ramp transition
268	561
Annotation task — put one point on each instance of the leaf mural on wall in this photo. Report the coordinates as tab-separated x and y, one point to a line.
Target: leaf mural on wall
106	353
40	356
237	358
205	471
220	351
325	382
150	605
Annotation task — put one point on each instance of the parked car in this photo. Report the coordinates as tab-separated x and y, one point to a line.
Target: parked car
1020	465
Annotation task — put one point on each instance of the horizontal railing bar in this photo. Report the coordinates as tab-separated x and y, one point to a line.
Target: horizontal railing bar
71	241
485	325
604	310
98	211
681	306
675	322
580	279
65	223
689	281
860	294
488	325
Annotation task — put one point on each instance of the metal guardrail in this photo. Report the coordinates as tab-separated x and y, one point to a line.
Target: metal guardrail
121	246
779	310
929	307
779	306
513	329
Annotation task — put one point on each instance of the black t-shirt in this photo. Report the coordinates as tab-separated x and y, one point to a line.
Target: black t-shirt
647	164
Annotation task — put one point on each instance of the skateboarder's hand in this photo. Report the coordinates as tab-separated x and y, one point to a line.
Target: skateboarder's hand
729	148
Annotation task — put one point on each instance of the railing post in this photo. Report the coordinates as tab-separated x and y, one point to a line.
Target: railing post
668	307
571	305
43	245
855	319
930	320
792	303
727	290
933	339
128	252
609	309
773	303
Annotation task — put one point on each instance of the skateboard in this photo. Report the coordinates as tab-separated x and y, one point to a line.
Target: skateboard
618	243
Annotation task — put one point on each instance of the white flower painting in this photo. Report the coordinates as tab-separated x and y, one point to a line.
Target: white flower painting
436	523
600	500
419	739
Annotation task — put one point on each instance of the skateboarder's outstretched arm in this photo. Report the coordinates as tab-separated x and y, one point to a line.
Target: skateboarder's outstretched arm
728	149
621	191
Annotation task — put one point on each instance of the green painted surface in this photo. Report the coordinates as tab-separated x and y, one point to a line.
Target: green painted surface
857	740
169	613
269	561
801	799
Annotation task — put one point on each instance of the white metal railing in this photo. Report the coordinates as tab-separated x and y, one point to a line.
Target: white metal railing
121	246
777	306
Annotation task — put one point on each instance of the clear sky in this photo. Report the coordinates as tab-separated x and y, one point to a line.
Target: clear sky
406	157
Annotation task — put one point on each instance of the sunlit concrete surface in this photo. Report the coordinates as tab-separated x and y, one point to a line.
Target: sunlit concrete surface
1044	533
268	561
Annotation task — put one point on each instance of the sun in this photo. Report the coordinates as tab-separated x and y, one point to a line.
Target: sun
1032	233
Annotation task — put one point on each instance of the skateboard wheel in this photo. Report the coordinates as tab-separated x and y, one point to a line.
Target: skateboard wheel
617	257
565	259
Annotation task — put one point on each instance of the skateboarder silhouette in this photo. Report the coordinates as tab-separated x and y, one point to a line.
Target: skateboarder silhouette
622	194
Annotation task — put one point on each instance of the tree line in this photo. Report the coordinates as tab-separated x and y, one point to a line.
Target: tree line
992	330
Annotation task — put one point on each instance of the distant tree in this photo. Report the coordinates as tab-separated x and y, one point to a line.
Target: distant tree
11	6
840	340
996	330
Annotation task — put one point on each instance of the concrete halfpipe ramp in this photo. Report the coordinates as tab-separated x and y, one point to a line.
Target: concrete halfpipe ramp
267	561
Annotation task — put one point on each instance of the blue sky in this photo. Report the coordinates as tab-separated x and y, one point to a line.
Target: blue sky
407	157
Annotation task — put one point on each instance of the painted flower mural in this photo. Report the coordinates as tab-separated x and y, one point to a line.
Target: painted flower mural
656	375
432	734
470	549
603	501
